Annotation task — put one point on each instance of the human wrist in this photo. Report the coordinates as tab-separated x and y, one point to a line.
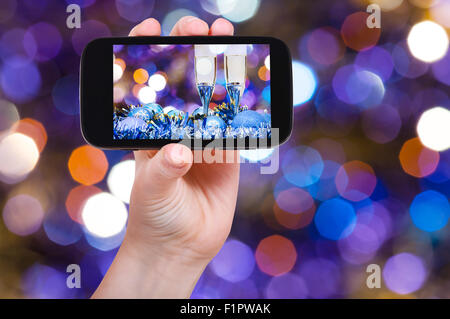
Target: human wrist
150	272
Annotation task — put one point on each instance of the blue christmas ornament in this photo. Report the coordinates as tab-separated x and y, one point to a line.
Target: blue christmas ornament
153	108
214	126
248	120
176	112
267	119
140	113
198	112
130	128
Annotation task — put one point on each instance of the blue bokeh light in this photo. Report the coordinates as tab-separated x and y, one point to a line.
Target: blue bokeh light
335	219
302	166
430	211
234	262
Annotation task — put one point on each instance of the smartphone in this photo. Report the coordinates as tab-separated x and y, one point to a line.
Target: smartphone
222	91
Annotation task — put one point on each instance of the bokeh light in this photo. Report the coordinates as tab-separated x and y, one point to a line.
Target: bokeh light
134	10
238	11
404	273
47	38
34	129
356	34
325	46
157	82
376	60
381	129
388	5
23	214
12	75
19	155
61	229
430	211
120	180
433	128
104	215
140	76
77	198
441	12
44	282
335	219
322	277
355	181
356	86
304	83
405	64
428	41
275	255
302	166
287	286
234	262
300	219
8	116
147	95
417	160
88	165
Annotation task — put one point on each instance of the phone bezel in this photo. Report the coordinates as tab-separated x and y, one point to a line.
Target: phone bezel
96	91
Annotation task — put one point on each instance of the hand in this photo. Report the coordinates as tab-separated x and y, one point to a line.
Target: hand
180	212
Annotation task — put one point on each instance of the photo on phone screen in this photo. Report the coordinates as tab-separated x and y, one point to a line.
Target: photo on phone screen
179	91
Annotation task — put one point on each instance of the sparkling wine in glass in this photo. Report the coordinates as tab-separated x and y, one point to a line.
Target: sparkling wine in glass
235	72
205	74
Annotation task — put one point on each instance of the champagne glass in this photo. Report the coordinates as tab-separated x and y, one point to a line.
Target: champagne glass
235	72
205	74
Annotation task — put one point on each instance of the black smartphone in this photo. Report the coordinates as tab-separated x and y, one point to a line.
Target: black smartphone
223	91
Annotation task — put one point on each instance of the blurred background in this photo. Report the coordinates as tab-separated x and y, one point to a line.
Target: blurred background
363	180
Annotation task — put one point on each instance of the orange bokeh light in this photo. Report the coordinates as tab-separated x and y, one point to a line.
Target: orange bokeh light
264	73
140	76
34	129
356	34
275	255
76	198
88	165
294	221
417	160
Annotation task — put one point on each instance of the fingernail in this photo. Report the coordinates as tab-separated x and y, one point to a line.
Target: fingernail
176	156
191	19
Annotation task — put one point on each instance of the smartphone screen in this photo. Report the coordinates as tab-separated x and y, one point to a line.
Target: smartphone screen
196	91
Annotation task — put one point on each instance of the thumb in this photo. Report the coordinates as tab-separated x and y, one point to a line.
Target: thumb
160	172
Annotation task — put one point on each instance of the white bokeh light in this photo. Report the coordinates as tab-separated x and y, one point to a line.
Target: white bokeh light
267	62
238	10
117	72
104	215
147	95
428	41
304	82
18	157
433	128
388	5
157	82
120	180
